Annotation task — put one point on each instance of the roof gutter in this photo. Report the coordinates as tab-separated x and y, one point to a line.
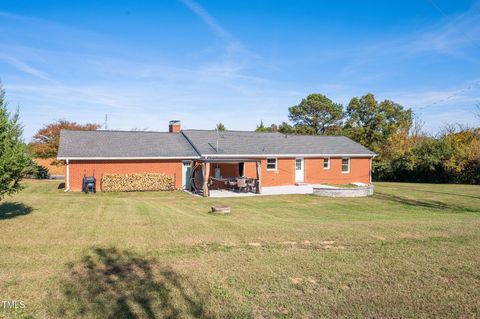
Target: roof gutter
287	155
127	158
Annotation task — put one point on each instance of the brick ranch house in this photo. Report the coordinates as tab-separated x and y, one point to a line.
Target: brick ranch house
273	159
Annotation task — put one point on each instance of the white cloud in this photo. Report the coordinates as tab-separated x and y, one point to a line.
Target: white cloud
457	36
135	93
466	94
237	55
458	32
219	30
23	67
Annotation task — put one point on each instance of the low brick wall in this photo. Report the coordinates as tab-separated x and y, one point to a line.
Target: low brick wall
344	192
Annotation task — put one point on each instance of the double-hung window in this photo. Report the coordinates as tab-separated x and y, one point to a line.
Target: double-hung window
345	165
271	164
326	163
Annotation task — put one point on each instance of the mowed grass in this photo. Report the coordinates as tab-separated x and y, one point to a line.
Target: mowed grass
411	250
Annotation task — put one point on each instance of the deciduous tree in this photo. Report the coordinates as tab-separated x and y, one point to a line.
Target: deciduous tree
381	127
262	128
46	140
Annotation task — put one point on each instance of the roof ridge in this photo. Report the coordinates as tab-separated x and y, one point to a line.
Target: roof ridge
255	132
117	131
226	131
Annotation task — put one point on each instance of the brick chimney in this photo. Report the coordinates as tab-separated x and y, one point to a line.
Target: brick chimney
174	126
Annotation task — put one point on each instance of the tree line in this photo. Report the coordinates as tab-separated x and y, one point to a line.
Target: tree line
405	152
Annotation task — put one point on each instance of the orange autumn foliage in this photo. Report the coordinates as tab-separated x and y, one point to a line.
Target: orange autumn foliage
46	140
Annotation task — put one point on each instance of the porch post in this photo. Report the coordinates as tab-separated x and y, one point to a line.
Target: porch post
192	165
206	176
259	176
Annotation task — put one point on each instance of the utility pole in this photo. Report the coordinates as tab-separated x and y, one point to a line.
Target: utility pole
105	125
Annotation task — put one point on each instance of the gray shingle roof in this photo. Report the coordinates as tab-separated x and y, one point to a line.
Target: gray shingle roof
123	144
255	143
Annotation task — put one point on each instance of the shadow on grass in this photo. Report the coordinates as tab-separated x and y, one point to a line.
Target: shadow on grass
118	284
12	210
444	193
423	203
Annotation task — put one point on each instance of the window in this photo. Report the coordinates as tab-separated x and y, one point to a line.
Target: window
298	164
345	165
326	163
271	164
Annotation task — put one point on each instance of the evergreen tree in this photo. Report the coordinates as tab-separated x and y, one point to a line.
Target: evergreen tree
221	127
261	127
315	114
15	162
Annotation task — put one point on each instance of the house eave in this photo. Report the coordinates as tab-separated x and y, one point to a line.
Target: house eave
284	155
127	158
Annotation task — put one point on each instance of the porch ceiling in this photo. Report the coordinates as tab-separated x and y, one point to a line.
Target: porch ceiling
227	160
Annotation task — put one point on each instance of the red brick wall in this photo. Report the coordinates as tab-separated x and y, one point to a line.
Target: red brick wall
316	174
313	170
284	175
226	170
79	168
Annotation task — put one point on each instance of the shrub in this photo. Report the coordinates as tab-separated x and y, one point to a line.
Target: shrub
38	171
41	172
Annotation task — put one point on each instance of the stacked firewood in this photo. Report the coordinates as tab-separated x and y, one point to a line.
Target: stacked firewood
137	182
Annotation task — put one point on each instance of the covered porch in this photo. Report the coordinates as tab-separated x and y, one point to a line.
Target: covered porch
216	176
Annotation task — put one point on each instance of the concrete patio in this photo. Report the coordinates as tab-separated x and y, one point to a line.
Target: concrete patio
272	190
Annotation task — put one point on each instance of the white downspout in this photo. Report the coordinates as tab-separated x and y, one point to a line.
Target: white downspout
371	160
67	177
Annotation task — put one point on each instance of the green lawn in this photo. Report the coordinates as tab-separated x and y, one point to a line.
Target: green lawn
412	250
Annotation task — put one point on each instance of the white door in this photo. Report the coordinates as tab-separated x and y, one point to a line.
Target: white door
299	170
186	167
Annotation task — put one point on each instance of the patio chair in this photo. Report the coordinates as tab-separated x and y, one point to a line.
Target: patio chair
241	184
232	184
250	184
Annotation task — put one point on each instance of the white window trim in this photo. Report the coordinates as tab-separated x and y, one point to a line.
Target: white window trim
303	162
328	167
276	164
346	172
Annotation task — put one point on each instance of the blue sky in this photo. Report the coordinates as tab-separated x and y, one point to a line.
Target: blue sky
238	62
